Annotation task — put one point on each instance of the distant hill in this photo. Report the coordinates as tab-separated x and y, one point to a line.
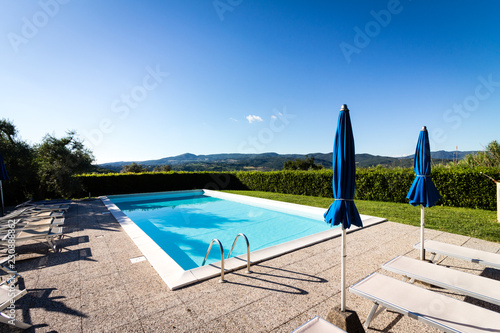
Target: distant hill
448	155
273	161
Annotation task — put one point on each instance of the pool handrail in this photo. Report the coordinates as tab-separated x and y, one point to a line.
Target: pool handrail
221	257
248	250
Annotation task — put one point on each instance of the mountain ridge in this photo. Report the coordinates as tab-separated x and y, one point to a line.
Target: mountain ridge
274	161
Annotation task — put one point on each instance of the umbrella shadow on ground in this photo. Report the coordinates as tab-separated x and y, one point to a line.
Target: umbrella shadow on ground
491	273
275	285
66	257
40	298
458	268
300	276
68	241
100	219
286	289
391	325
51	260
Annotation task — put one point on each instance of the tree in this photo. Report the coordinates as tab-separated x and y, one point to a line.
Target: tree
7	130
134	168
490	157
305	164
162	168
58	160
19	158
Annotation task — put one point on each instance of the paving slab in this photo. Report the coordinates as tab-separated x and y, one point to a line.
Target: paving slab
91	285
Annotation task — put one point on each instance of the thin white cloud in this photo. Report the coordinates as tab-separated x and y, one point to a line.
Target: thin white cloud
252	118
274	117
235	120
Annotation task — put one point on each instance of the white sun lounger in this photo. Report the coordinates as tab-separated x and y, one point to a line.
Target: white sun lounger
467	284
12	215
34	215
53	221
442	312
28	216
460	252
18	224
47	234
44	206
42	221
52	208
318	325
5	265
6	295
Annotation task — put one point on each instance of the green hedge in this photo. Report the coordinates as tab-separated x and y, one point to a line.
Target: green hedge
467	187
121	183
458	187
312	183
381	184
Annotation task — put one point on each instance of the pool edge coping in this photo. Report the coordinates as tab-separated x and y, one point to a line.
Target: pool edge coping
176	277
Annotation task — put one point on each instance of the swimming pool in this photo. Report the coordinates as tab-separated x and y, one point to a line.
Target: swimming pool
183	226
173	229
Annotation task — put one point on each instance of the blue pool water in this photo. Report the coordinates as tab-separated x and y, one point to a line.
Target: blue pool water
184	226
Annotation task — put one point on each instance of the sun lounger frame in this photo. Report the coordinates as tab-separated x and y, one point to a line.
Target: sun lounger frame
318	324
45	238
5	302
439	311
464	283
484	258
32	224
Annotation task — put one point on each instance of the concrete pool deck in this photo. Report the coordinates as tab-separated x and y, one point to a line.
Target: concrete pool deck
176	277
91	285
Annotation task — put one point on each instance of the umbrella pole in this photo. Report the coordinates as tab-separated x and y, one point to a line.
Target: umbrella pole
342	280
422	227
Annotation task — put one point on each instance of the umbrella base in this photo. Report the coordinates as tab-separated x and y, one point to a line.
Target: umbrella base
347	320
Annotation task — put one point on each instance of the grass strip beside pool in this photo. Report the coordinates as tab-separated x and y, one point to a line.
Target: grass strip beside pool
469	222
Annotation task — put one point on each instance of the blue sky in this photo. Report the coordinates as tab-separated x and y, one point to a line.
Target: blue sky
143	80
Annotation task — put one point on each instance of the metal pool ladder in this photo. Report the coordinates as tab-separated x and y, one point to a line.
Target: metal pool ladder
222	254
248	250
221	257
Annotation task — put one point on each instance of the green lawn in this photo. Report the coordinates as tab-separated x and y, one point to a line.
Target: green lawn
463	221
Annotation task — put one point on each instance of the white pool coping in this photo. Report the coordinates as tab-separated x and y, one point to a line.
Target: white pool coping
176	277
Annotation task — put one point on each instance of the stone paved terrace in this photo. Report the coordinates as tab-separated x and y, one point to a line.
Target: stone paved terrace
92	286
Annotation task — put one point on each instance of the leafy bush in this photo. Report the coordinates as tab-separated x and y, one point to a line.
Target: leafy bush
302	164
44	170
57	161
490	157
466	187
312	183
19	159
458	187
121	183
134	168
382	184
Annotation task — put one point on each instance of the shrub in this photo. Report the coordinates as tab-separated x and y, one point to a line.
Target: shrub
382	184
458	187
121	183
312	183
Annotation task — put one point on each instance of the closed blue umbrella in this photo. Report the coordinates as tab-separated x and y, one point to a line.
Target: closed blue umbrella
343	210
3	176
423	192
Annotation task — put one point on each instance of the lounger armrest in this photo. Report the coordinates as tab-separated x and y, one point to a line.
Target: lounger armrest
6	226
13	278
24	204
